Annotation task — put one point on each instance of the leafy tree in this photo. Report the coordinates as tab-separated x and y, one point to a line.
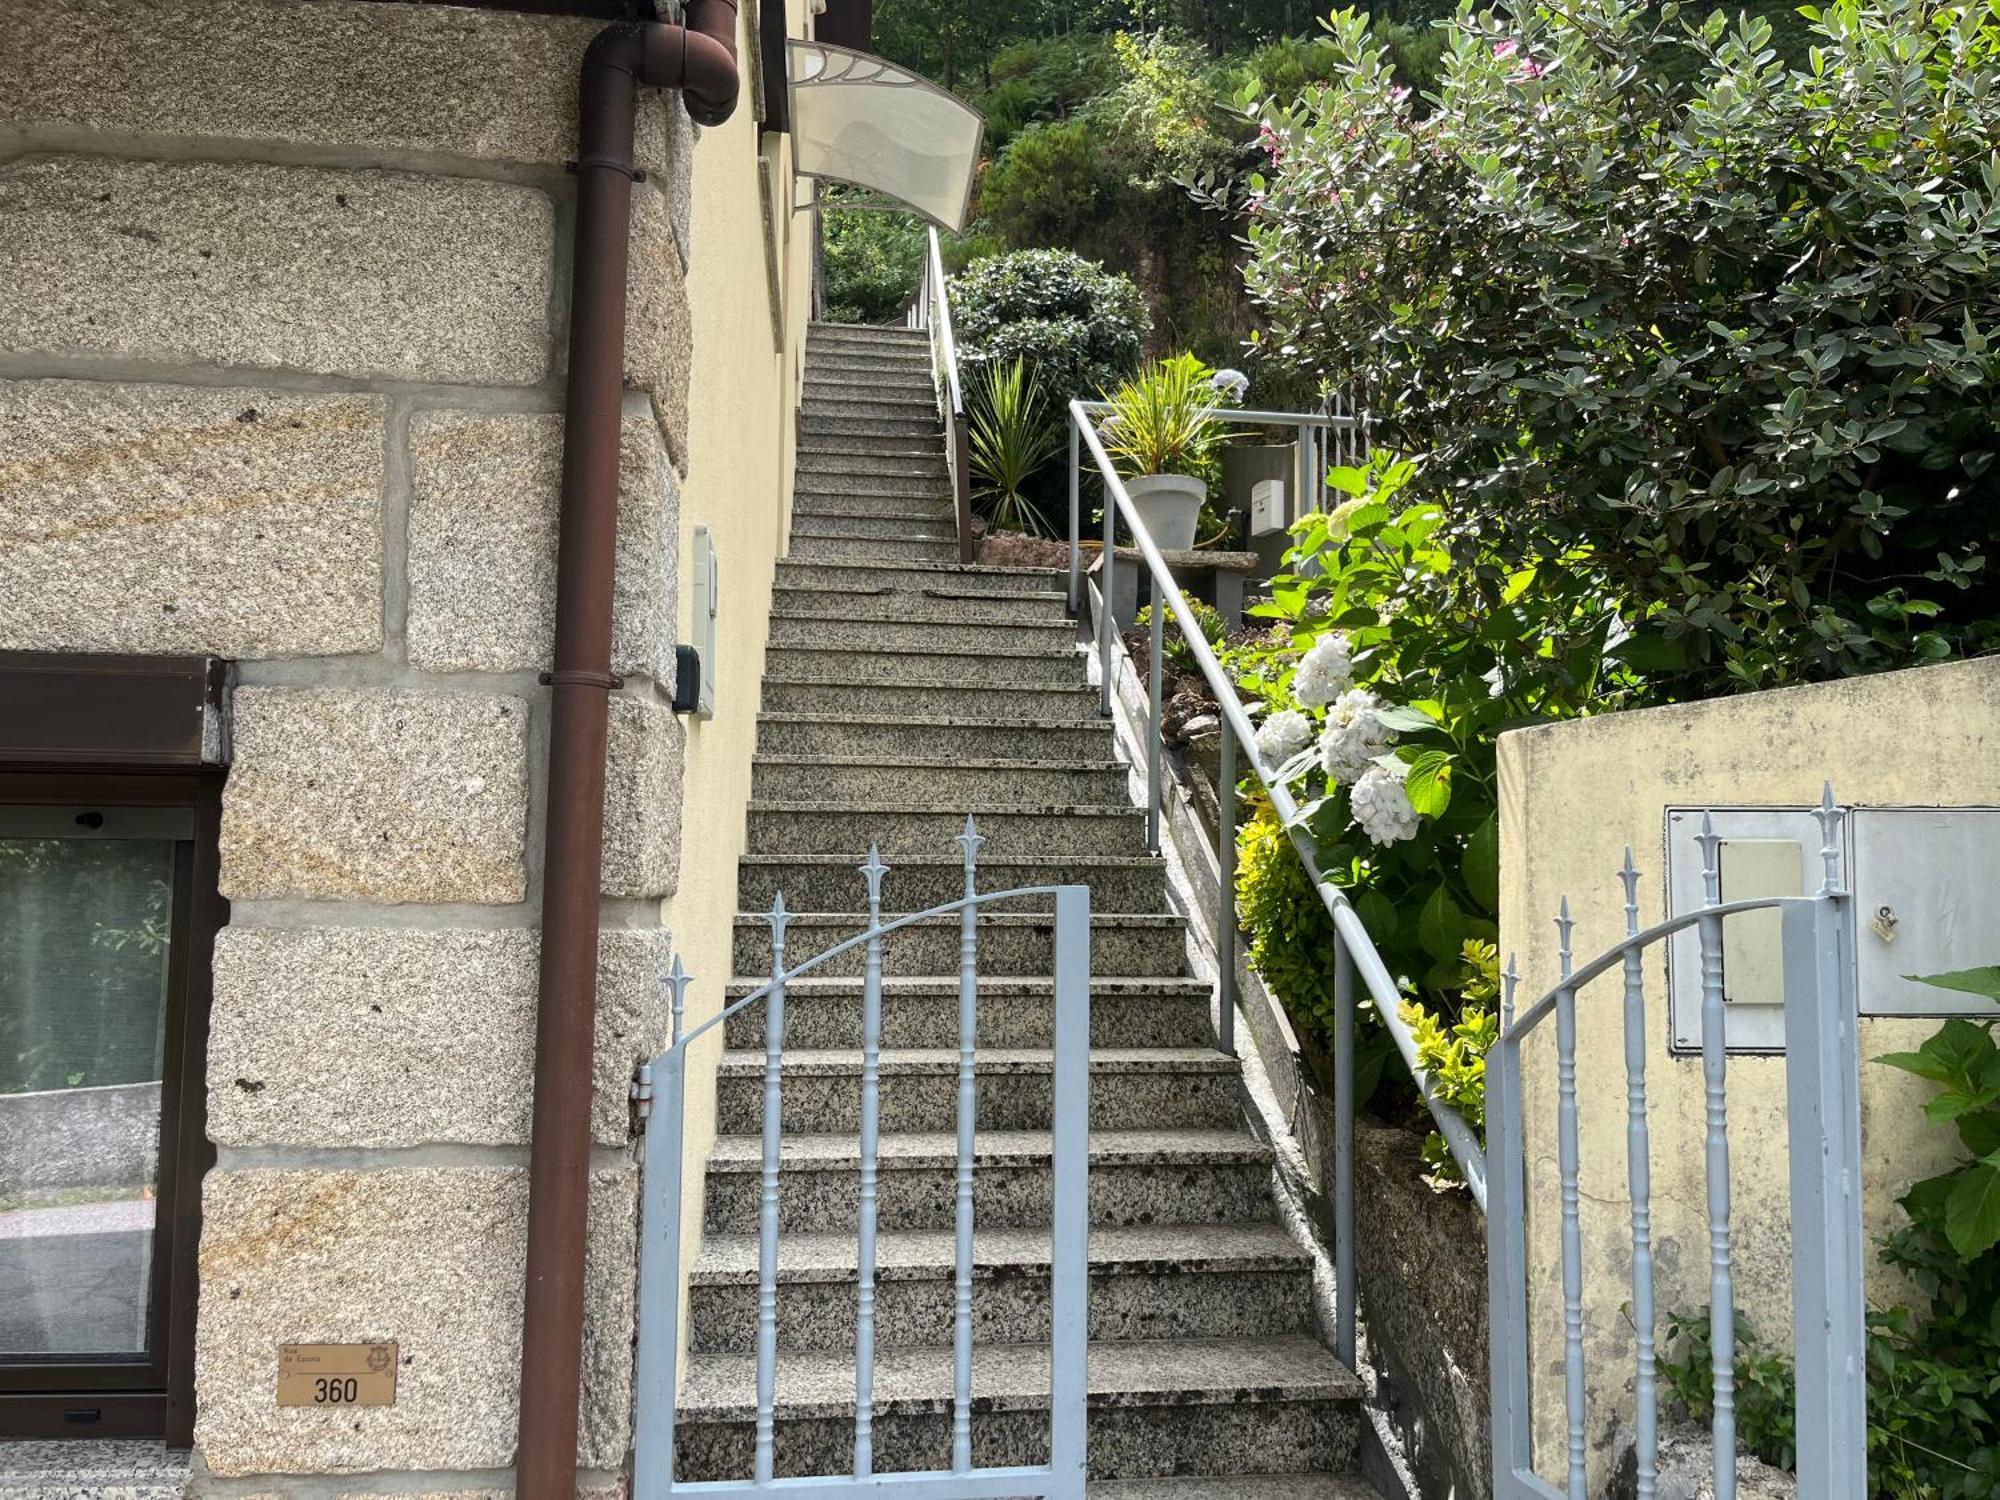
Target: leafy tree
874	262
1733	336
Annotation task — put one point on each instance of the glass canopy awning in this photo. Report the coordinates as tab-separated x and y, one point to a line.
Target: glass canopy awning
860	119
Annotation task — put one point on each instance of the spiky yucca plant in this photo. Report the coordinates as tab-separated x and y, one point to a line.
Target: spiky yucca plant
1011	439
1162	420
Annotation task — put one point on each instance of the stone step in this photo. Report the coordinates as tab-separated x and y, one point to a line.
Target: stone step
810	487
941	580
867	405
919	630
889	447
827	360
810	548
1237	1487
893	382
937	783
906	828
893	464
880	602
1127	945
939	737
938	523
1157	1282
819	332
1000	667
842	424
830	882
925	699
918	512
1145	1088
1012	1012
1136	1177
1156	1407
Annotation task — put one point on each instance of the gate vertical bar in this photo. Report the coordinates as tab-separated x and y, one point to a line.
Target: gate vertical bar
1507	1251
1639	1174
1567	1152
1075	516
1344	1289
1715	1076
968	1103
767	1212
1070	1223
871	1152
658	1377
1822	1087
1156	720
1225	898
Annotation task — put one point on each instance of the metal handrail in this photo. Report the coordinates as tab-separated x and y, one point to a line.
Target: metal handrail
1356	950
931	311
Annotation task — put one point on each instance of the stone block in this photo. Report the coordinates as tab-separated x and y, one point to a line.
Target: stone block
659	328
486	492
234	523
367	795
642	798
429	1257
437	80
383	1037
359	273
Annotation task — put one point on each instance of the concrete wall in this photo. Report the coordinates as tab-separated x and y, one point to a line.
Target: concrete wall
281	355
58	1139
1572	797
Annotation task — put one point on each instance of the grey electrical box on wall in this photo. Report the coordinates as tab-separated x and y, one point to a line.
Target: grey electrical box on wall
1926	884
704	570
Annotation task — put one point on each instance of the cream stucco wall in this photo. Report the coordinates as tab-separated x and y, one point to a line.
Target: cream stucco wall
1572	797
749	341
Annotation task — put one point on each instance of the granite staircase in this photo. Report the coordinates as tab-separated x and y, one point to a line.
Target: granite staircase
902	690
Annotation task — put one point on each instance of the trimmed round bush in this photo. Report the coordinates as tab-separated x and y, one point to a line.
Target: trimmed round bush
1079	326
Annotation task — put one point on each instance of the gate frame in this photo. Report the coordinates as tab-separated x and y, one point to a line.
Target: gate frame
1823	1082
662	1202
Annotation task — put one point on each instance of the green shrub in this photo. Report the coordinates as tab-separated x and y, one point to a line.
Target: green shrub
1453	1054
1079	326
874	264
1174	649
1735	337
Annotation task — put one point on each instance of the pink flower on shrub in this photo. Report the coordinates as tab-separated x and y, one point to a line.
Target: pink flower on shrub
1529	69
1504	50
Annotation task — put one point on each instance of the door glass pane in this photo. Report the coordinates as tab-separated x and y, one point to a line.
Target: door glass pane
84	931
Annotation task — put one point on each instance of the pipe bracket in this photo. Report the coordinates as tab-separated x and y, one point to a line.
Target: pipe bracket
609	681
637	174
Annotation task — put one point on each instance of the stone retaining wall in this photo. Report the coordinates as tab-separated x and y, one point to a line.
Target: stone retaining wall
281	353
56	1139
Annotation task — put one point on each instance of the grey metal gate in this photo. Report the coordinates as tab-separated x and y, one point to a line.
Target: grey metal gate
665	1078
1822	1074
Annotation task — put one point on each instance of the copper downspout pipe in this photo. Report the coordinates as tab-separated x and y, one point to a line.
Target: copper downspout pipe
700	60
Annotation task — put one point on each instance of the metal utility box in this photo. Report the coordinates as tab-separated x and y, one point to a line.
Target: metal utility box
1926	884
1267	507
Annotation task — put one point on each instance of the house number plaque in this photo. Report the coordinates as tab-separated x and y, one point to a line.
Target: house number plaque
336	1375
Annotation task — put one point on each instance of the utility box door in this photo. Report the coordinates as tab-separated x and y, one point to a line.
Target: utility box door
1267	507
1927	901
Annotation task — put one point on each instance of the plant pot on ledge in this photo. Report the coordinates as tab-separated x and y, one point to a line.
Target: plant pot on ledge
1170	505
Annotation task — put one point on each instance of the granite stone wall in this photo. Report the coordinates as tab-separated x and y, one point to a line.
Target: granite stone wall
281	371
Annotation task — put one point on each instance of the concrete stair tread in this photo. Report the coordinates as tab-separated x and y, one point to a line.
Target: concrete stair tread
835	591
794	920
908	985
926	1254
1236	1487
745	1153
916	763
839	1062
776	678
973	570
1059	629
1122	811
1144	1372
1059	650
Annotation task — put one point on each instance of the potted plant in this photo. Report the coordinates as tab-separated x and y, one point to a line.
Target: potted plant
1162	433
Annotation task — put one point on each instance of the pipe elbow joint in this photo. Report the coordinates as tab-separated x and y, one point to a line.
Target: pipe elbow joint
712	81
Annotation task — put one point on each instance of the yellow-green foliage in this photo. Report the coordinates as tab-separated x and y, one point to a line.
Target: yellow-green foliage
1453	1054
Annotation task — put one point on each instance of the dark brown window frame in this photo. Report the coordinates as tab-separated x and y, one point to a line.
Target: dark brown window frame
126	731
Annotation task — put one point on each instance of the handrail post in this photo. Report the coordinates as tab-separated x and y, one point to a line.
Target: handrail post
1344	1289
1075	515
1107	616
1225	896
1157	723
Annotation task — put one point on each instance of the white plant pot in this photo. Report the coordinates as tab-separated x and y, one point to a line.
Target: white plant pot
1170	505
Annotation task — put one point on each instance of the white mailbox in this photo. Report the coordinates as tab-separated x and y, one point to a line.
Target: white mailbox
1926	884
1267	507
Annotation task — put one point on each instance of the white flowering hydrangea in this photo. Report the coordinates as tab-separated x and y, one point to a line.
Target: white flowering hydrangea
1381	804
1282	736
1326	672
1354	736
